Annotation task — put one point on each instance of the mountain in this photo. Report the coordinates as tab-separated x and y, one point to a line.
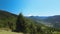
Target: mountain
51	21
29	24
38	17
55	20
6	13
6	17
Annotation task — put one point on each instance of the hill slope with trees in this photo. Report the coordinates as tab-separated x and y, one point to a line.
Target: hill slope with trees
19	23
7	18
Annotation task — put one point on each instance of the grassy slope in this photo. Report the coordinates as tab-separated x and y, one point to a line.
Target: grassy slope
56	32
8	32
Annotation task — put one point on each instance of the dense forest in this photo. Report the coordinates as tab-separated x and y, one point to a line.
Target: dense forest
28	25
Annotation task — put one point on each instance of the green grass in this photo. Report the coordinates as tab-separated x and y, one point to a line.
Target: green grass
56	32
8	32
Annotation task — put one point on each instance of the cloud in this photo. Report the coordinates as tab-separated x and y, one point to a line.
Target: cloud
29	15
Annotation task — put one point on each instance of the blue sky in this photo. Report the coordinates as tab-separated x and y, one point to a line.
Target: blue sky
32	7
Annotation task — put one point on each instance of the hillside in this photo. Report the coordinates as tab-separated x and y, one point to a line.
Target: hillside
51	21
55	20
11	21
6	17
20	23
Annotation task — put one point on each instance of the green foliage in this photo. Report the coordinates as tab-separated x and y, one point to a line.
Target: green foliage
20	24
26	25
6	17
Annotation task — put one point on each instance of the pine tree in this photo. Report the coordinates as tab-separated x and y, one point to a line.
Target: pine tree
20	24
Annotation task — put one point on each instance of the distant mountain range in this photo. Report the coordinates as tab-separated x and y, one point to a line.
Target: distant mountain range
53	21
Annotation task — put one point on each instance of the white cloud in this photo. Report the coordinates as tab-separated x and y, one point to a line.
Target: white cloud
29	15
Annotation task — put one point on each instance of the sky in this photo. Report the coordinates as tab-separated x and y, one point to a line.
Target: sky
31	7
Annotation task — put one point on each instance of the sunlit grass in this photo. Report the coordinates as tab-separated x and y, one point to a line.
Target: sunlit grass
56	32
8	32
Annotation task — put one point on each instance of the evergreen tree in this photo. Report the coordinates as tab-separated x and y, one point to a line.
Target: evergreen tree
26	26
20	24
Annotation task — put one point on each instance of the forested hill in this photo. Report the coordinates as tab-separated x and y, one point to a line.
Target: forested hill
7	14
6	17
20	23
55	20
